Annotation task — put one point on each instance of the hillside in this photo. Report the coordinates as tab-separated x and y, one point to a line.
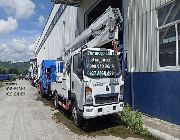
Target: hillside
14	67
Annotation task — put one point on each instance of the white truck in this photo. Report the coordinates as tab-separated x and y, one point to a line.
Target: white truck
89	80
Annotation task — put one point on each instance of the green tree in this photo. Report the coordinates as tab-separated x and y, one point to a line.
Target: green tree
13	71
2	71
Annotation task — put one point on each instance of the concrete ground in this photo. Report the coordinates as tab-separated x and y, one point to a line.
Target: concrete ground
161	129
22	117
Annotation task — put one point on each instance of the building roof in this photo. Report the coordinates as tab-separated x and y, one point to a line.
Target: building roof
68	2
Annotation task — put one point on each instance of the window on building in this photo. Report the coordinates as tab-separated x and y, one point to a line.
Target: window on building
167	46
169	35
54	20
178	29
169	13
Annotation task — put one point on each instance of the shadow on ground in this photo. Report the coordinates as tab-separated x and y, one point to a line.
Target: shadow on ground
101	126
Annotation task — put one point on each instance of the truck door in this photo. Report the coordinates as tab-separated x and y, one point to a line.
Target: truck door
76	79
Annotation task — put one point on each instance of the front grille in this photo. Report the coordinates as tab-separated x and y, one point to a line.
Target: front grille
106	98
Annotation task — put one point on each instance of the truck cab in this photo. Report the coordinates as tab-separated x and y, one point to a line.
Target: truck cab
48	75
89	84
96	79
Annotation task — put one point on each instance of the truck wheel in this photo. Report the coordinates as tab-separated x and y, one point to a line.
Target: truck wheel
41	92
42	95
39	89
77	120
49	95
56	104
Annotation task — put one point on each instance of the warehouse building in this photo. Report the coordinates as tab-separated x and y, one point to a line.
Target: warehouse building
67	20
152	40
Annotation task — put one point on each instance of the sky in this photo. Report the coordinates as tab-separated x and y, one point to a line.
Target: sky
21	24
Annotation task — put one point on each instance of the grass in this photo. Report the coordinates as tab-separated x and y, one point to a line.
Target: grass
133	120
1	84
100	126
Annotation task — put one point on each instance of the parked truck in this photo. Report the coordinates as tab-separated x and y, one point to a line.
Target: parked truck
48	75
6	77
88	81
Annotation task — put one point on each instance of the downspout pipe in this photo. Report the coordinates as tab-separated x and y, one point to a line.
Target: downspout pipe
124	60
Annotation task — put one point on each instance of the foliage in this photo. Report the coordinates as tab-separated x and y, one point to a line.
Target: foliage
1	84
133	120
13	77
13	71
14	67
3	71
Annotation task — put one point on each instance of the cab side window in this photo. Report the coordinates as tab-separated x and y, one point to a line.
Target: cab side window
77	65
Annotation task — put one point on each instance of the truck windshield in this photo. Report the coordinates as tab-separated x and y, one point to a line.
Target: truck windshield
97	66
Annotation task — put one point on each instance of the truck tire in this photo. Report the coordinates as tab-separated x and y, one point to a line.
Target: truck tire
42	95
41	92
49	95
56	104
77	120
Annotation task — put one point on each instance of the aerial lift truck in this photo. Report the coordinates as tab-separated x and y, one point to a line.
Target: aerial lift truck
88	80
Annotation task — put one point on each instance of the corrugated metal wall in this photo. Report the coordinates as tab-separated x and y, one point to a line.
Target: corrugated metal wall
50	18
69	25
155	94
141	34
147	89
63	33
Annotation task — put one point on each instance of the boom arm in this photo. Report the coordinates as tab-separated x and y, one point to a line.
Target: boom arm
107	24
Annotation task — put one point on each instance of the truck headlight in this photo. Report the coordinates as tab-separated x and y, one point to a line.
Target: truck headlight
121	97
121	93
89	98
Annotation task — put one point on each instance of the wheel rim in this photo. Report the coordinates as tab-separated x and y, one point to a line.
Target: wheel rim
74	114
55	101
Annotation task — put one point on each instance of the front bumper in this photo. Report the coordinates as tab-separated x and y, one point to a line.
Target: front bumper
95	111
